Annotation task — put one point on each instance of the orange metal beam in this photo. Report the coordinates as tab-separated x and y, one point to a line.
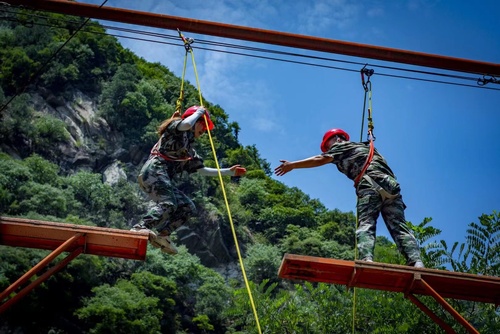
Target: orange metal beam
42	264
60	238
261	36
391	277
446	306
101	241
447	328
396	278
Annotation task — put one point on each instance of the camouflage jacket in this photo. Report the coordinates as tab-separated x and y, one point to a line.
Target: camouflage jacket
175	151
350	157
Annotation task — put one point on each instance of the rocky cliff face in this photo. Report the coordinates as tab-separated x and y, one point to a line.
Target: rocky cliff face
93	147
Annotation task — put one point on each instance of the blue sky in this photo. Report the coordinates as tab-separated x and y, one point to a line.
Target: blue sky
440	140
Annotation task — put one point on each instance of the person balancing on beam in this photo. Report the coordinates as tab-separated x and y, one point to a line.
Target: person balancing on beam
172	155
377	190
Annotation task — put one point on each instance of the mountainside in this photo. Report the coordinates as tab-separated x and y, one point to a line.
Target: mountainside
94	107
60	116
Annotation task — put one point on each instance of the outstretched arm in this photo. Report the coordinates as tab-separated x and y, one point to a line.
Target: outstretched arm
235	170
314	161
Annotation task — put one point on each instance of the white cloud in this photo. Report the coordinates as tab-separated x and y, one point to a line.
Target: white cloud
221	76
320	16
375	12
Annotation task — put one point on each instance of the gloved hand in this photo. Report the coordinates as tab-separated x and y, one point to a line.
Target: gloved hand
238	170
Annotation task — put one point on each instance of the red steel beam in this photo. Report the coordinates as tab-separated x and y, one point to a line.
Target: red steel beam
261	36
33	271
391	277
448	307
431	314
56	268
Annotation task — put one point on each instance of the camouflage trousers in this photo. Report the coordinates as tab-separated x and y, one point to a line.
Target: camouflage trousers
173	208
370	205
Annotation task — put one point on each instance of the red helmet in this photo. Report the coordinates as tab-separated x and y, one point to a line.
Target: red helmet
329	134
189	111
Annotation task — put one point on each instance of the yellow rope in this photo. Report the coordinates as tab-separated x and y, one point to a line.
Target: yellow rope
178	104
226	201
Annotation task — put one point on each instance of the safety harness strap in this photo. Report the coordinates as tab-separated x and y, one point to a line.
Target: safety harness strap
368	161
156	152
384	193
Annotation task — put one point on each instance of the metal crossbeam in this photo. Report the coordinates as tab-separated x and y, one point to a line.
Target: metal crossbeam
438	284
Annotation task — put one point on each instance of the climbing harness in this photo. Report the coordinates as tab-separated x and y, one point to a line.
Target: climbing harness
156	152
378	188
187	45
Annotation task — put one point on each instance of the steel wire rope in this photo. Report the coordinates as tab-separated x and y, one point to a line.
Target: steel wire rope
235	46
249	48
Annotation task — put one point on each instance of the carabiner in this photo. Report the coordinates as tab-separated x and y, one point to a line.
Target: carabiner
187	41
368	73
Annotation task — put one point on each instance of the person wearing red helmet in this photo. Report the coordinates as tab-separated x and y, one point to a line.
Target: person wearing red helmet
172	155
378	192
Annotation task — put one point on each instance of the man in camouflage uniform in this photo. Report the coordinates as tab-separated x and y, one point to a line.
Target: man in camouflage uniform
172	155
378	192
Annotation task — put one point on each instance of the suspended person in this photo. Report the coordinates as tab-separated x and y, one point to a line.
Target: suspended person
378	191
172	155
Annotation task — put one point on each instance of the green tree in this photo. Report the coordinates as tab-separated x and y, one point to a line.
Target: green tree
123	308
14	262
431	251
13	175
43	171
387	252
484	241
43	199
125	205
306	241
389	312
15	67
480	253
262	263
47	132
252	194
93	194
249	157
305	308
123	83
211	301
344	222
273	221
15	125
